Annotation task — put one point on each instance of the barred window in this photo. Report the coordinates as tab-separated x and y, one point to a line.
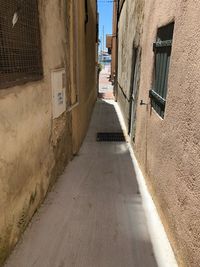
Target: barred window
20	45
162	50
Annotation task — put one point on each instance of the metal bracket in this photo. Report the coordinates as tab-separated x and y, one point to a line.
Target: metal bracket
142	103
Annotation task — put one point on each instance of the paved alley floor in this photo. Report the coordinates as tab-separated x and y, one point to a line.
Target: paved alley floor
105	86
94	216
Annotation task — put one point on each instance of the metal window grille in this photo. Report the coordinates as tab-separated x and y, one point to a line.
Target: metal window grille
162	49
20	45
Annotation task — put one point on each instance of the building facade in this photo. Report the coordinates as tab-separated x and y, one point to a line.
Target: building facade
47	91
157	88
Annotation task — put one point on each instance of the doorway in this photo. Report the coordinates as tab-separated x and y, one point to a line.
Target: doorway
134	92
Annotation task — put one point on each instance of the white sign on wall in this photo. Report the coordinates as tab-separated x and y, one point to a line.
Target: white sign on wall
58	92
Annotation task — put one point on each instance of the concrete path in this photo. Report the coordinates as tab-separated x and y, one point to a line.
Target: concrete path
94	215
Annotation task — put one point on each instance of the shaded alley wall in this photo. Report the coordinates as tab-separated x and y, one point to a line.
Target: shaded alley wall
87	65
35	147
129	52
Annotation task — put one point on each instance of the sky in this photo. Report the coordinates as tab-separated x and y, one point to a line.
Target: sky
105	9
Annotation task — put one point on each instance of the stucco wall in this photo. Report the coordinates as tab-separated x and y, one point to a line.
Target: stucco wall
34	147
168	149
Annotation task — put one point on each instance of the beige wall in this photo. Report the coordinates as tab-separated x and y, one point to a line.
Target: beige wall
168	149
34	147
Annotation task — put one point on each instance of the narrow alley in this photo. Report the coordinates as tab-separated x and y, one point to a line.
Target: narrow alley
99	133
94	215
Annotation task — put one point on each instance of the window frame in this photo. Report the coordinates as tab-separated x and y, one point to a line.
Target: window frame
162	49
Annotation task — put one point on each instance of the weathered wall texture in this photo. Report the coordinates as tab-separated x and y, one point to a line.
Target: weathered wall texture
34	147
168	149
130	29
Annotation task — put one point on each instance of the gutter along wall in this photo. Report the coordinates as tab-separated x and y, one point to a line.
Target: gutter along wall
35	146
167	148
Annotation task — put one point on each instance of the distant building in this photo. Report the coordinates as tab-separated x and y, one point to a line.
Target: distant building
104	57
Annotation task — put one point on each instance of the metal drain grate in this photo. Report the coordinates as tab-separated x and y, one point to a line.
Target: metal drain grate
110	137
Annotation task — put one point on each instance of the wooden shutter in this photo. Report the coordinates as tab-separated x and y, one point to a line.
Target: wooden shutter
162	50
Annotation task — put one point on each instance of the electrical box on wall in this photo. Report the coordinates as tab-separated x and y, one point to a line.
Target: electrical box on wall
58	80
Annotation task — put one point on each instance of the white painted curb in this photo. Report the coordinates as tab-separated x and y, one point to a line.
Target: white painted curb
161	246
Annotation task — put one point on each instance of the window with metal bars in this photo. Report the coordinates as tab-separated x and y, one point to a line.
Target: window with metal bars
162	50
20	45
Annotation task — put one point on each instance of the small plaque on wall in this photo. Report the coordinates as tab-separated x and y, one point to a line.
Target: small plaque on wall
58	78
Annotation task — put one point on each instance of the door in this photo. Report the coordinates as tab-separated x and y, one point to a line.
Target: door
134	92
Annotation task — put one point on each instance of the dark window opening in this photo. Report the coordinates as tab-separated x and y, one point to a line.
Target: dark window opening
109	51
86	14
20	45
162	50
